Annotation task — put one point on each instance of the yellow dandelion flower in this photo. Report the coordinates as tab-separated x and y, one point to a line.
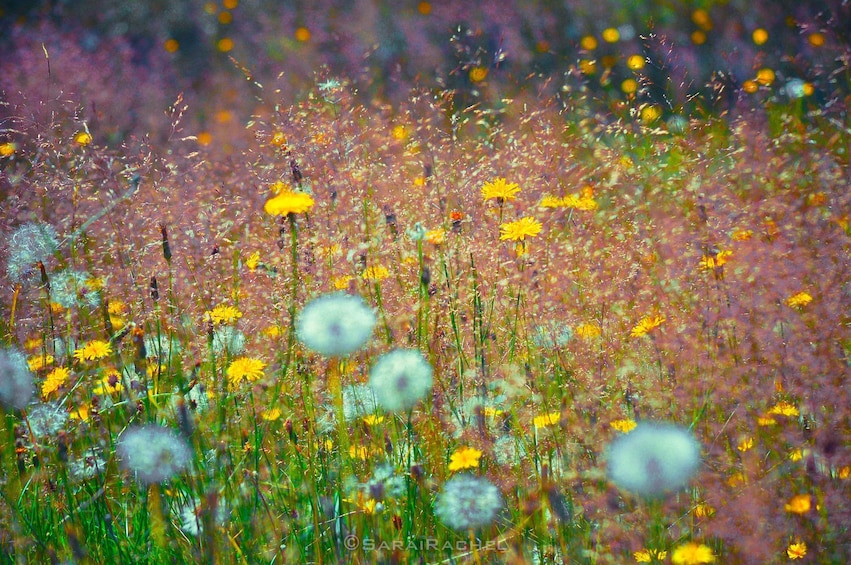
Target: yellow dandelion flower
54	379
588	331
271	414
375	273
279	139
93	350
703	510
636	62
288	202
399	133
464	458
736	479
223	314
491	412
549	201
253	261
244	369
765	76
799	300
435	237
364	503
341	282
649	555
478	74
359	452
372	420
33	343
80	413
799	504
765	421
500	189
109	384
692	553
519	230
646	325
545	420
8	149
117	307
796	455
711	262
797	550
611	35
624	425
844	472
273	331
39	362
783	408
746	444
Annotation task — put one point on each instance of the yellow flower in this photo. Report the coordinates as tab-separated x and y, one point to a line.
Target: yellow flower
742	235
341	282
692	553
223	314
649	555
271	414
745	444
765	421
435	237
550	202
491	412
273	331
109	384
799	504
7	149
646	325
796	454
244	369
94	350
799	300
784	409
501	189
253	261
80	413
288	202
82	138
33	343
372	420
39	362
54	379
478	74
844	472
703	510
710	262
465	458
583	202
796	550
117	307
624	425
279	139
399	133
588	331
363	452
520	229
375	273
545	420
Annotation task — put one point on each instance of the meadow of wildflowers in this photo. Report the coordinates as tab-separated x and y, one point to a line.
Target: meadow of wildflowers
436	284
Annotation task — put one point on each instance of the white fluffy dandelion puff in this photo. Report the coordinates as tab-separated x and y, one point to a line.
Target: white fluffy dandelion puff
28	245
16	380
468	502
153	453
335	325
654	458
400	379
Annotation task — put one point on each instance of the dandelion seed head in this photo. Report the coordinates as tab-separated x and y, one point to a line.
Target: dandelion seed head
653	459
358	401
552	334
162	346
228	339
28	245
468	502
70	289
335	325
400	379
153	453
46	419
16	380
89	465
190	515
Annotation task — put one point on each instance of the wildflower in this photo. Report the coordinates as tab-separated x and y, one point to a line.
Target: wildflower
646	325
153	453
400	379
703	510
7	149
549	201
465	458
375	273
83	138
467	502
797	550
784	409
253	261
435	237
273	332
271	414
478	74
653	459
335	325
692	553
228	339
223	314
766	421
746	444
711	262
519	230
38	362
29	245
799	504
500	189
588	331
88	466
288	202
546	420
69	288
244	369
741	235
342	282
80	413
46	419
649	555
372	420
799	300
54	379
93	350
584	202
109	384
625	425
